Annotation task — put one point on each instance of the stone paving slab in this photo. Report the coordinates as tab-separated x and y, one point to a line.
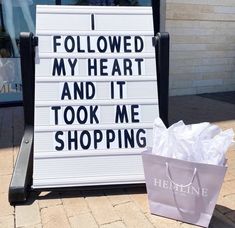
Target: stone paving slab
5	208
7	221
124	207
83	220
6	161
54	216
27	215
102	209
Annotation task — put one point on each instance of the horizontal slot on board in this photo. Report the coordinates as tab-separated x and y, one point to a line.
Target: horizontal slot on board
88	181
81	78
82	153
96	10
96	55
94	33
92	127
95	102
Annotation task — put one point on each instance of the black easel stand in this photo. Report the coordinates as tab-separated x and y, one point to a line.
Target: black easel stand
22	176
161	43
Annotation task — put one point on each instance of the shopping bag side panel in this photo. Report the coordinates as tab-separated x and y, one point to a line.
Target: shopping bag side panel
171	189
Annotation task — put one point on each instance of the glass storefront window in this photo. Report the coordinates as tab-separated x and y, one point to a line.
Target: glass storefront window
16	16
108	2
133	2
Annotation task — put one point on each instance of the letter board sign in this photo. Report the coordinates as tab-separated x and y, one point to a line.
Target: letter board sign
95	95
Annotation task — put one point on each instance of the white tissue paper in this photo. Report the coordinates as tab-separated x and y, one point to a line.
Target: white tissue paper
202	142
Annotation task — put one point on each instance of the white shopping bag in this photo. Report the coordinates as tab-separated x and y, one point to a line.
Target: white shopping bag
182	190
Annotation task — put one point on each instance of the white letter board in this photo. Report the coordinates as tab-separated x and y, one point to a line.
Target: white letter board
95	95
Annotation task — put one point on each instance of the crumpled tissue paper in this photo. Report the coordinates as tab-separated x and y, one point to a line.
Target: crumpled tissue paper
202	142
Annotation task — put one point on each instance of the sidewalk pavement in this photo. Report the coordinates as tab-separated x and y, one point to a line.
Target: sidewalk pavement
116	208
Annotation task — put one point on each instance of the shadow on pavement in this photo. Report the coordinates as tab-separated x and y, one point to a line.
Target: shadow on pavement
201	108
219	220
85	192
91	192
228	97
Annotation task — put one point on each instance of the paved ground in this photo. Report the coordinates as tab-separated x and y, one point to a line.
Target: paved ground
126	207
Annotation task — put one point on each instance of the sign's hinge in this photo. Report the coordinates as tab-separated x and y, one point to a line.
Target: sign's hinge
35	41
155	41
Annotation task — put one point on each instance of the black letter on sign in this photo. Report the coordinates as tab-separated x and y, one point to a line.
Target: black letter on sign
92	67
116	68
139	65
69	109
85	147
66	91
112	90
67	39
57	139
115	43
56	109
103	67
72	65
89	45
93	117
141	42
58	67
121	84
78	91
129	138
72	140
141	141
79	115
127	43
98	136
55	43
79	45
119	138
90	90
127	65
134	114
121	114
104	48
110	136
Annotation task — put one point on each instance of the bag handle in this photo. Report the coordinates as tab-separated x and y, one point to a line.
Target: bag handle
180	185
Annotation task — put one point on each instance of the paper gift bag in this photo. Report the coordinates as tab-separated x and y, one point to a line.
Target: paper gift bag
182	190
